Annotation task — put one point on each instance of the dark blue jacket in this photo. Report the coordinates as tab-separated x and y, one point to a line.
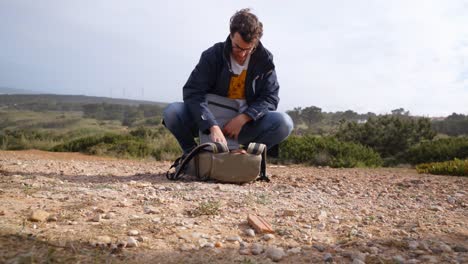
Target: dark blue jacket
213	75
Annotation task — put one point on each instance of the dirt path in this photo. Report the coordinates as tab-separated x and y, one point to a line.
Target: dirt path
89	209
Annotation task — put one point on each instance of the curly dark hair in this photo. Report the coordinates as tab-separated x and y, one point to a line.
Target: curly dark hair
247	25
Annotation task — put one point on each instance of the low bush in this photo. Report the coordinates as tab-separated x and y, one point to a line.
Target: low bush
454	167
327	151
443	149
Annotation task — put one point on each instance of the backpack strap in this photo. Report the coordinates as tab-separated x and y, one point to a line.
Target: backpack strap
257	149
216	147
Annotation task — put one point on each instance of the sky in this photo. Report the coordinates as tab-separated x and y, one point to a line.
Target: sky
361	55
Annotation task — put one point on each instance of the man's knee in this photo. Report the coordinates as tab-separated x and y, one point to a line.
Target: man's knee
284	123
172	113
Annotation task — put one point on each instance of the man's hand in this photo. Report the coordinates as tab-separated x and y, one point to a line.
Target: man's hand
234	126
216	135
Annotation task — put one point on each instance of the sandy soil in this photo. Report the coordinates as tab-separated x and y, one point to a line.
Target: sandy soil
73	208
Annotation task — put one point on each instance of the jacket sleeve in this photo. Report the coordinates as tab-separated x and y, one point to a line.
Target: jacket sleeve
268	87
201	80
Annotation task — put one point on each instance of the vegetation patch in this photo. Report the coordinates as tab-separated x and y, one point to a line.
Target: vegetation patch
455	167
327	151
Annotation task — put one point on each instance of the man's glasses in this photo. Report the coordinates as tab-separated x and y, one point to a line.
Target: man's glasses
238	49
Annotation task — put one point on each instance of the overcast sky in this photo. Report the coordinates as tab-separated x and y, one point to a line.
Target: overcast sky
363	55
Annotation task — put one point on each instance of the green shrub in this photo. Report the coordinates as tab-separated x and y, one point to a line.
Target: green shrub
454	167
443	149
391	136
327	151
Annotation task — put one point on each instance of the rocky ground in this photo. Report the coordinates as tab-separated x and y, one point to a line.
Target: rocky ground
72	208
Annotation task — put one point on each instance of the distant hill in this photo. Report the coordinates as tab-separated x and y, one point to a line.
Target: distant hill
7	90
30	99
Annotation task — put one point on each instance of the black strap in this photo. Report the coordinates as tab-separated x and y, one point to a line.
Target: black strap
216	147
263	174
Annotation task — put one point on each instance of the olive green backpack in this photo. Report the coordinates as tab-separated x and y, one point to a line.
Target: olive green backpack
214	161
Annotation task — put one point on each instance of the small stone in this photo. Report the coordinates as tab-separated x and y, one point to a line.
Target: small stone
207	245
445	248
2	213
320	248
436	208
150	210
358	261
359	255
322	216
233	239
156	220
104	239
321	226
218	244
96	218
327	257
274	253
109	215
289	212
257	249
413	245
133	233
428	259
268	237
459	248
52	218
142	239
374	250
250	232
398	259
295	250
244	251
38	216
132	242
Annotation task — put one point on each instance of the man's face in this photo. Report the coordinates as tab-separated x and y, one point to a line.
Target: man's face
240	48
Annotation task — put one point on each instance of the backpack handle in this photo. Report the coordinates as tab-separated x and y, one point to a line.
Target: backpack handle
216	147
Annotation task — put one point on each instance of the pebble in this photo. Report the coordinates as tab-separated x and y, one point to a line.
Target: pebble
38	216
428	259
327	257
268	237
459	248
218	244
109	215
359	256
289	212
275	253
321	226
399	259
96	218
257	249
132	242
133	233
207	245
102	240
52	218
357	261
244	251
250	232
436	208
320	248
445	248
413	245
233	239
295	250
374	250
322	216
150	210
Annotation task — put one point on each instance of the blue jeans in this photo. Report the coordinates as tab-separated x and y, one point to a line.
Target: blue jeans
270	130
